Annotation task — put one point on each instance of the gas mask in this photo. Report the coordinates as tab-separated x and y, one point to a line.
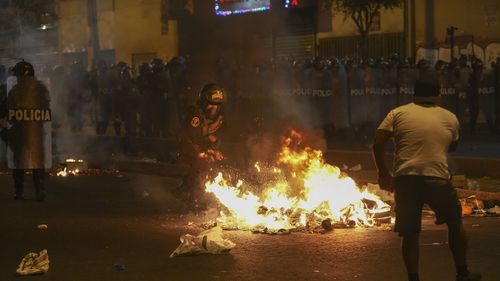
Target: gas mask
212	111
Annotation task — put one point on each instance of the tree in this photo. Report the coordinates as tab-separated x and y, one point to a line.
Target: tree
362	12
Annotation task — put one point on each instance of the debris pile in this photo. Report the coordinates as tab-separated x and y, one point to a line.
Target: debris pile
34	263
210	241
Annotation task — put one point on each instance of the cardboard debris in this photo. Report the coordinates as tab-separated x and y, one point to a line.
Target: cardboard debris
34	263
207	242
42	226
384	195
356	168
494	211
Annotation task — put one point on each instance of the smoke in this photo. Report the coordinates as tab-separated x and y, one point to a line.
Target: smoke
37	47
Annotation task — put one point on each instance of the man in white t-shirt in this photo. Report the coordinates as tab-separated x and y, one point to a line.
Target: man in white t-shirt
423	134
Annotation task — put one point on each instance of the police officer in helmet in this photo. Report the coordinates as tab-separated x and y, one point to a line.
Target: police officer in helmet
26	114
199	140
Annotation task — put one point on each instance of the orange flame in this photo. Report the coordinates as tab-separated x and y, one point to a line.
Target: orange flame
307	191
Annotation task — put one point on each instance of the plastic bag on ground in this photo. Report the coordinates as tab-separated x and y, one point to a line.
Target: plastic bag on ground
34	263
207	242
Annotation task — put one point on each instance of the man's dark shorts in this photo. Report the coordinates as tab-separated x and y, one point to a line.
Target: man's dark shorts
411	192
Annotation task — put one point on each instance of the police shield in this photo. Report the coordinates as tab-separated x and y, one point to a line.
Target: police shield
320	96
486	96
372	80
388	94
447	90
29	141
359	104
406	85
340	105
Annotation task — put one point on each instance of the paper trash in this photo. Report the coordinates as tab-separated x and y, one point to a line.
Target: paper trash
207	242
34	263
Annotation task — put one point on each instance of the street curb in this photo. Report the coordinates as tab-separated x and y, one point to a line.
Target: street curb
459	165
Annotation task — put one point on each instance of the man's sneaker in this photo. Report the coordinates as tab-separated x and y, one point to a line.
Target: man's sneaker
470	277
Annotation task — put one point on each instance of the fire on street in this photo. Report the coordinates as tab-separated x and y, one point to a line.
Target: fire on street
97	221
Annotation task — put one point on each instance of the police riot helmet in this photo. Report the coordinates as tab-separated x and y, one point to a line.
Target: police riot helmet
478	64
463	61
405	63
157	65
121	65
319	63
440	65
369	62
24	68
394	58
211	94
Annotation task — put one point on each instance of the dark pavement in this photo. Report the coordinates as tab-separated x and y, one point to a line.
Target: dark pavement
97	221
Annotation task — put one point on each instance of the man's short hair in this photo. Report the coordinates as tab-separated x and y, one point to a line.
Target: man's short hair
427	85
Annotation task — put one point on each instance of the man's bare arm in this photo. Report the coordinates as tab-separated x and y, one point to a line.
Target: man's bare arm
381	138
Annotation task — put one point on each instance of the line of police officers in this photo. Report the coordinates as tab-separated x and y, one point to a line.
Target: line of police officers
354	94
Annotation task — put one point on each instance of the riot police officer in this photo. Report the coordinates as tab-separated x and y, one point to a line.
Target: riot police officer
27	115
199	139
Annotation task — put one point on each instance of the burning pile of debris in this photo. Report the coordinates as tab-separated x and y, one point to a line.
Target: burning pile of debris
74	167
301	192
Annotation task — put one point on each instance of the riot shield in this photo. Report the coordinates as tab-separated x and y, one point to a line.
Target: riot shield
463	90
29	139
340	104
388	92
358	104
447	90
320	98
406	85
486	97
373	81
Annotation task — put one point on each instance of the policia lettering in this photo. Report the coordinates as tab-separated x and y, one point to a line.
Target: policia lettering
29	115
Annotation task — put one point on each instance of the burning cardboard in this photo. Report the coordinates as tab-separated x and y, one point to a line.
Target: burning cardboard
301	192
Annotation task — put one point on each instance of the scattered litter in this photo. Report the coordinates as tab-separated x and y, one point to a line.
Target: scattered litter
316	271
472	184
42	226
272	231
327	225
190	223
494	211
34	263
476	225
434	244
356	168
145	194
119	266
207	242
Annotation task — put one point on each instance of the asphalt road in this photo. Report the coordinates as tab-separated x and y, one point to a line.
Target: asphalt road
95	222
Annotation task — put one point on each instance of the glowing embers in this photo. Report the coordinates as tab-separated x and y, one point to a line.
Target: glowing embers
300	191
78	167
72	167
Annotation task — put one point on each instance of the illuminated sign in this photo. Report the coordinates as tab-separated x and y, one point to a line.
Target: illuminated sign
232	7
291	3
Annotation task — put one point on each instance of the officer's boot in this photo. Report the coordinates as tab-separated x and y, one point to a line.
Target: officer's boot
38	182
18	175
